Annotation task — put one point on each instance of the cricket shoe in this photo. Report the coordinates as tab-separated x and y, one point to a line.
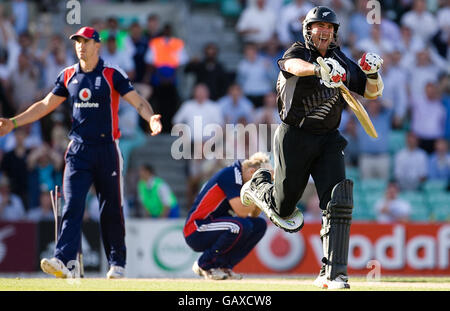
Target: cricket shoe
211	274
231	275
116	272
55	267
340	282
321	280
258	191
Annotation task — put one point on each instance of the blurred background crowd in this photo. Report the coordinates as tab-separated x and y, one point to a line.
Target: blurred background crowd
401	176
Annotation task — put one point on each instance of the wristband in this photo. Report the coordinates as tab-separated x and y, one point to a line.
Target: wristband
373	75
317	71
14	122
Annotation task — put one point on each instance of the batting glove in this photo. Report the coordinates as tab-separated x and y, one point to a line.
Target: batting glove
370	63
335	76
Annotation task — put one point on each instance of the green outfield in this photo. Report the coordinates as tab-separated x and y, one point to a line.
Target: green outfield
249	284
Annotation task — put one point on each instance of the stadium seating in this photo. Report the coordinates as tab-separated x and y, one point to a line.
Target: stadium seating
419	207
397	140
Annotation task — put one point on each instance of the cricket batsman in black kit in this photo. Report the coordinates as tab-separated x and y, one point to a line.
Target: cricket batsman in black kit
308	141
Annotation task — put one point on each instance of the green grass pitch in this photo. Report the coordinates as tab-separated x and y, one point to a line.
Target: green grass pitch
197	284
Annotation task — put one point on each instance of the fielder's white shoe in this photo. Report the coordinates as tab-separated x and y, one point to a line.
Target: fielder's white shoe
321	280
211	274
55	267
340	282
116	272
231	275
257	190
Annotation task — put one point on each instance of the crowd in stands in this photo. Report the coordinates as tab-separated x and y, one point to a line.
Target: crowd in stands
412	118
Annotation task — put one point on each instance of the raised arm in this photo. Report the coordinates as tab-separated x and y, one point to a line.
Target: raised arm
144	109
33	113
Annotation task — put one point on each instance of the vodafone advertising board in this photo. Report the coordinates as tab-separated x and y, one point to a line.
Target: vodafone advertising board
398	249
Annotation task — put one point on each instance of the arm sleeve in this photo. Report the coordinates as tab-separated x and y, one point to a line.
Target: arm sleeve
60	89
231	182
121	82
295	51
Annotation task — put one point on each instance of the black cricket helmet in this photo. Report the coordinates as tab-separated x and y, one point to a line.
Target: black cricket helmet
320	14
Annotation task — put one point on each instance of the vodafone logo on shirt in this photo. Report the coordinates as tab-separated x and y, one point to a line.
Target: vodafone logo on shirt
85	95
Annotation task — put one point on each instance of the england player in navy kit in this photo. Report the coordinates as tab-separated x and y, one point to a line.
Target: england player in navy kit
220	226
92	88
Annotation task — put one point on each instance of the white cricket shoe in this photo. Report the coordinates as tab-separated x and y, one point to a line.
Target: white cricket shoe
116	272
211	274
257	190
55	267
321	280
231	275
340	282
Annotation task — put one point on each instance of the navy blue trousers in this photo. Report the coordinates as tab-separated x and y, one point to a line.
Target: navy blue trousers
226	241
99	165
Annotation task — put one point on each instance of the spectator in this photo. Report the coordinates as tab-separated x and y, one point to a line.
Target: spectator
44	211
152	29
268	115
14	166
196	114
441	39
272	51
374	160
408	42
375	43
53	60
20	14
439	162
45	166
140	47
391	208
200	108
422	23
289	26
123	40
395	93
256	24
428	117
113	56
359	28
165	55
7	32
155	195
24	83
235	106
424	68
11	207
410	165
253	75
210	71
9	51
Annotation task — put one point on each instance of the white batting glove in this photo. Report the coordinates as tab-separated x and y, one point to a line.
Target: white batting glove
370	63
335	76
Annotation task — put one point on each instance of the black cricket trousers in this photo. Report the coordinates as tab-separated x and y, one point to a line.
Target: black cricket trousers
299	154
